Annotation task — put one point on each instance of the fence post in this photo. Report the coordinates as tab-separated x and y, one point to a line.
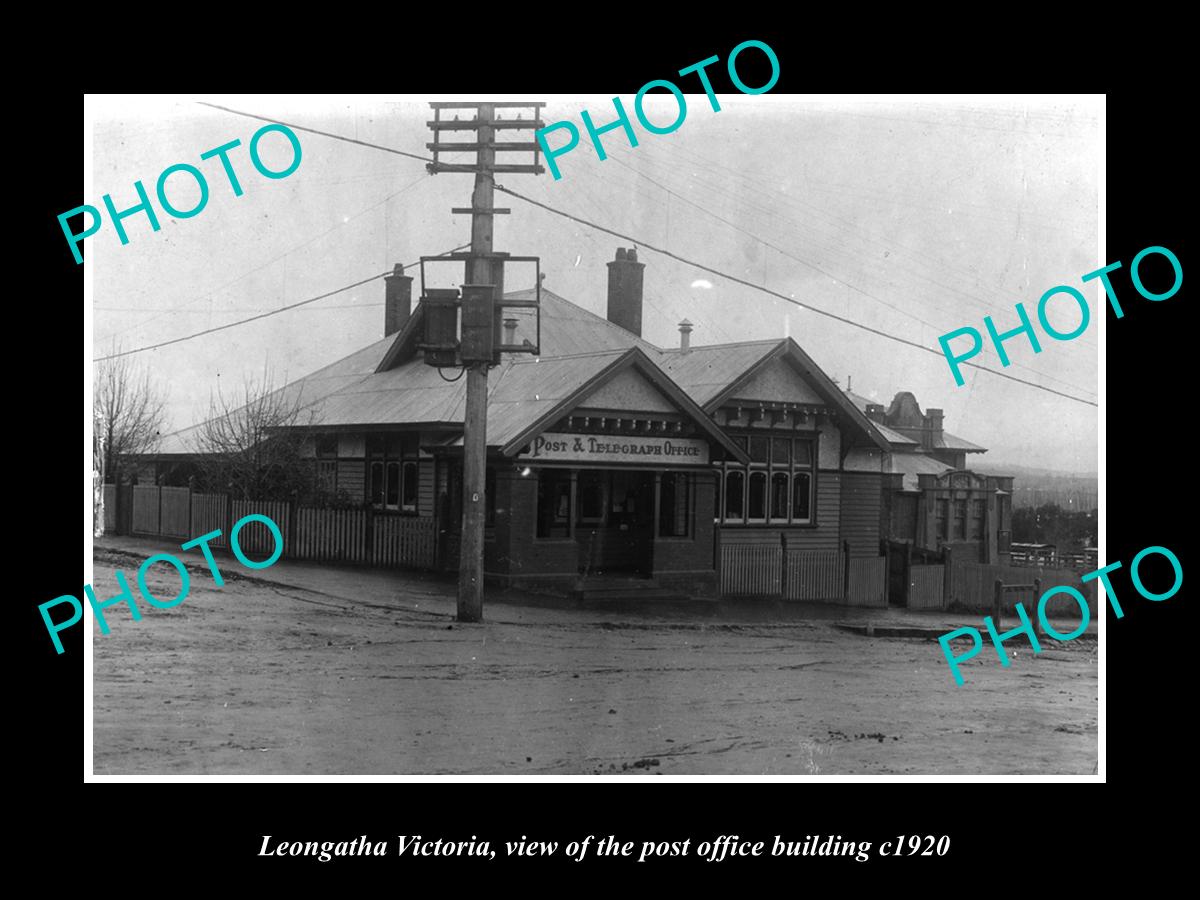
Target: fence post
1037	596
996	599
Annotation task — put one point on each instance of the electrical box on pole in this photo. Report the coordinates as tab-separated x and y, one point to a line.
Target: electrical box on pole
473	329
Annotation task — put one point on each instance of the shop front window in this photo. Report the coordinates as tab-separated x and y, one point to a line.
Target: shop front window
674	505
554	503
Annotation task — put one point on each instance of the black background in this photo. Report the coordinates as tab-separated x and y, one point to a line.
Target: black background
1001	832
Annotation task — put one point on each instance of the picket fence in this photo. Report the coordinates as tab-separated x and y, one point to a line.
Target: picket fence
770	572
361	536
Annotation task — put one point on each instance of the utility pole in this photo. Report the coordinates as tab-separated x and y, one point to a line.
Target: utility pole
482	297
479	271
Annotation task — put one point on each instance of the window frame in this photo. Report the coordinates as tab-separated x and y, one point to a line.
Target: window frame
769	468
553	486
386	450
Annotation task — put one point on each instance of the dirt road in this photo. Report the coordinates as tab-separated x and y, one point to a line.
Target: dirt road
254	678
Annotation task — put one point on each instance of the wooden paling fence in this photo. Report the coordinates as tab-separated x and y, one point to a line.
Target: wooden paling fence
926	587
972	585
146	509
331	535
404	541
868	581
210	512
769	571
749	570
815	575
175	505
255	538
361	536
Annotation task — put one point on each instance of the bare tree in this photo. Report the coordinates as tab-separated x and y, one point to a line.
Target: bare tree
128	419
253	445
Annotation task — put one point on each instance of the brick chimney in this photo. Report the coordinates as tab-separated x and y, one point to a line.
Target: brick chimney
876	413
625	291
685	336
397	307
933	422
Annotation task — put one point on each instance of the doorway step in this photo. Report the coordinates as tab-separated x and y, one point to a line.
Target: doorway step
615	588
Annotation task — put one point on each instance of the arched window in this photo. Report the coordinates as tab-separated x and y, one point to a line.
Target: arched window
735	496
757	511
779	496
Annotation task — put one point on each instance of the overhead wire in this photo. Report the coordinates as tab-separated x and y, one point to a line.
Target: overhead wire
842	281
265	315
640	243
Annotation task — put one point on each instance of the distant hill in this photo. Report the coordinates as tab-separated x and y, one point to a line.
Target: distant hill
1040	487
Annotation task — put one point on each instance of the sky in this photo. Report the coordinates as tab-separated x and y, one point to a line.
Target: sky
914	217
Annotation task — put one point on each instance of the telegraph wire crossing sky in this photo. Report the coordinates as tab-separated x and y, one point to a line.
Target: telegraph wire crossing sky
912	218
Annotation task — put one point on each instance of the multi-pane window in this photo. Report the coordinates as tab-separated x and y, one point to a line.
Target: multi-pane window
960	519
979	512
776	486
327	448
673	505
393	478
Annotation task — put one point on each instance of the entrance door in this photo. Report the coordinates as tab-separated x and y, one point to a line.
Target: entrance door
615	522
631	522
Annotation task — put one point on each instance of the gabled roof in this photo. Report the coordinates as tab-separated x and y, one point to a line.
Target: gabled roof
522	421
388	382
705	371
737	364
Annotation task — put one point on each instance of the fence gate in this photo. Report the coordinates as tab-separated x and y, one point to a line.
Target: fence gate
145	509
867	584
815	575
925	587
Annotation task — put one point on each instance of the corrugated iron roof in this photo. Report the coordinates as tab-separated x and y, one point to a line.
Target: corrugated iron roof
910	465
575	346
895	437
530	389
949	442
569	330
707	370
310	389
